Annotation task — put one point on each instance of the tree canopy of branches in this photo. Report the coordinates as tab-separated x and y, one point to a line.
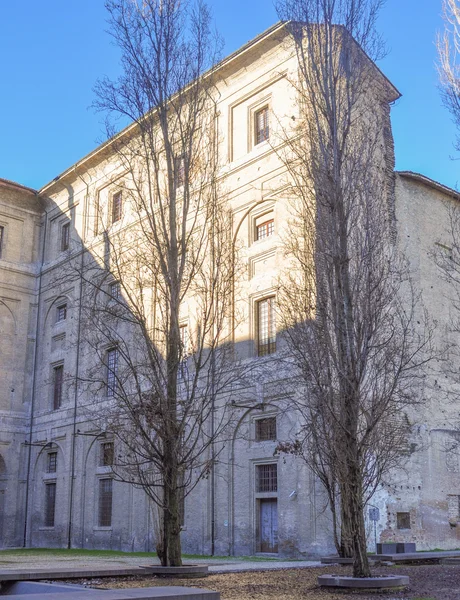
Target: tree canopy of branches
449	68
347	305
158	283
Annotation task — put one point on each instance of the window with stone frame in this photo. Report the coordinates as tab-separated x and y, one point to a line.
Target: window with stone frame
117	206
261	125
114	290
180	170
403	520
265	429
106	454
50	504
265	229
61	313
266	326
105	503
112	368
65	237
51	466
267	478
58	380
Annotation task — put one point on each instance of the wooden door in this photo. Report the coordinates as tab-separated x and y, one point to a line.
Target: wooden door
268	526
2	510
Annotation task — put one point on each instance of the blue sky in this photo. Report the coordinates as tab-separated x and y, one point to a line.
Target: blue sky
53	51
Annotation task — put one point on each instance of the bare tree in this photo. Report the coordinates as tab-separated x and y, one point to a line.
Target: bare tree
347	305
449	69
158	283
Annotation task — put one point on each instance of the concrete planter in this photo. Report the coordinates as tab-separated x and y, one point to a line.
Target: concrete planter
183	572
404	548
363	583
387	548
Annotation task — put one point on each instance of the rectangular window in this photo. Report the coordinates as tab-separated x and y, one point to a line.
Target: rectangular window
183	332
112	366
52	462
105	503
403	520
267	478
58	377
261	125
65	237
266	327
266	429
180	170
2	237
116	207
106	454
114	290
50	504
61	313
265	229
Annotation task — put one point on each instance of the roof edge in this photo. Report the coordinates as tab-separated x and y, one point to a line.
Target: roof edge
17	186
436	185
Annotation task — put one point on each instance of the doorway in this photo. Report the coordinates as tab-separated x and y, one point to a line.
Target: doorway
268	524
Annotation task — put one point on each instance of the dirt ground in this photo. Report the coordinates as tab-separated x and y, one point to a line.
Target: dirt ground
427	582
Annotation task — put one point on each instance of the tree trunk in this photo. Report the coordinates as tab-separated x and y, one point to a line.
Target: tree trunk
346	535
171	532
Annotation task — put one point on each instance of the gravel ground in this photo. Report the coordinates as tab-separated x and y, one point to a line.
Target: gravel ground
427	582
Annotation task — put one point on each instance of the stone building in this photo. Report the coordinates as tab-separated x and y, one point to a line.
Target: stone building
56	483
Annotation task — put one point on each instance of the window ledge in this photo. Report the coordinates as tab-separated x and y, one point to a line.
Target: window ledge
100	528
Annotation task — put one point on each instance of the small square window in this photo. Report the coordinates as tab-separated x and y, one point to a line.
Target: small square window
2	238
65	237
266	429
117	202
106	459
267	478
61	313
114	290
261	125
265	229
58	378
52	462
403	520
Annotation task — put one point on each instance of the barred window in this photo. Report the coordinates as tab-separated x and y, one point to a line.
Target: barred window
267	478
105	503
116	206
2	237
266	327
106	458
61	313
65	237
58	377
114	290
52	462
183	332
50	504
266	429
265	229
261	125
112	367
180	170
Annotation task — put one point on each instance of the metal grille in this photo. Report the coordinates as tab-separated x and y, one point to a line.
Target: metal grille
105	503
65	236
57	386
52	462
266	327
2	234
267	478
180	170
50	504
112	366
107	454
262	125
61	313
266	429
183	332
266	229
115	290
116	207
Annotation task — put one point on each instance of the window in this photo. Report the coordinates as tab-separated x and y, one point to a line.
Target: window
58	376
116	207
2	237
266	429
261	125
267	478
265	229
266	327
50	504
183	332
114	290
65	237
105	503
52	462
106	459
403	520
180	170
61	313
112	366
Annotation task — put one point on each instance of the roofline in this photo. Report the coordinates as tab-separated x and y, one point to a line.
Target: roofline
224	62
440	187
12	184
